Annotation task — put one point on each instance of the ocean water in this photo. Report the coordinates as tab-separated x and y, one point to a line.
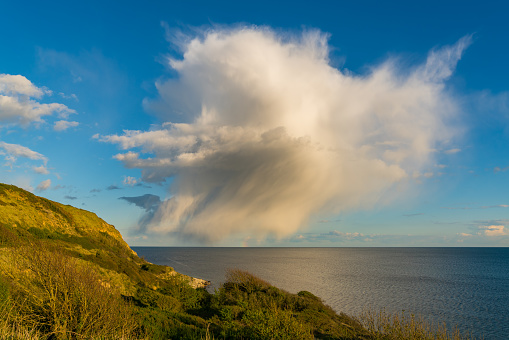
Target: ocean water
466	287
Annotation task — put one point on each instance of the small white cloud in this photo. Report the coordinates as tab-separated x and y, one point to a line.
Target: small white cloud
346	235
493	230
71	96
44	185
465	234
128	180
499	169
417	174
452	151
62	125
41	170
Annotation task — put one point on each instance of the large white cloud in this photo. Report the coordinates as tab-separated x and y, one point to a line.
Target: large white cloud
269	133
17	103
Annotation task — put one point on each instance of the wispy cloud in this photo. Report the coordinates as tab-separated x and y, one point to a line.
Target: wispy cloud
499	169
273	134
477	207
413	215
14	151
452	151
44	185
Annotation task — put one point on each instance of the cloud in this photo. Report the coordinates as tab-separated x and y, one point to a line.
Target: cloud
262	132
19	85
71	96
452	151
128	180
481	207
70	197
15	151
41	170
17	104
493	230
113	187
413	215
44	185
329	221
417	174
148	202
62	125
499	169
348	236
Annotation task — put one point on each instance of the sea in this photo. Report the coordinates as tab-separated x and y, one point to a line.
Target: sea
464	287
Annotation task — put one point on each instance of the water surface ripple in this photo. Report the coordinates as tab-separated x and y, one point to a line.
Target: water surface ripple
468	287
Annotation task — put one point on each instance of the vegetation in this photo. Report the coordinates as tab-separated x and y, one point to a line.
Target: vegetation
66	274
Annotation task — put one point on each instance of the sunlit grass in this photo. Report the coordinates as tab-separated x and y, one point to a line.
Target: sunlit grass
405	326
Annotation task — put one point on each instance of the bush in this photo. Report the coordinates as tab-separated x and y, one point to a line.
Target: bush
61	296
245	281
274	324
179	288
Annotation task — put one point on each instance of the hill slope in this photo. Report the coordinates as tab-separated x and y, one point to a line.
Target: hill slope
27	218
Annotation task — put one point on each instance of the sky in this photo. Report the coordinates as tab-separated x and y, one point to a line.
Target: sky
194	123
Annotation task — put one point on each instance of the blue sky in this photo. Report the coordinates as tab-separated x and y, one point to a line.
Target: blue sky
263	124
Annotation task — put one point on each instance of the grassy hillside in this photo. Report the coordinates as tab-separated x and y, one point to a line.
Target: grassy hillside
67	274
27	219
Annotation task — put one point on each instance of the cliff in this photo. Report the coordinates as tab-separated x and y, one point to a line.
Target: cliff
29	219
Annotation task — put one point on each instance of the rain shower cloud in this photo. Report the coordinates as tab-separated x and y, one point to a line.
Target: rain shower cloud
261	132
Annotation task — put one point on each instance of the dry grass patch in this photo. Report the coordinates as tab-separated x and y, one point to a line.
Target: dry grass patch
61	296
402	326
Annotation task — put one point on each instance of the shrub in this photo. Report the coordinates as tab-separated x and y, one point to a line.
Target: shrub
61	296
245	281
153	268
274	324
179	288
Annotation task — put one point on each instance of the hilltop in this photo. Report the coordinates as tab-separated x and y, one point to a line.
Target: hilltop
27	218
67	274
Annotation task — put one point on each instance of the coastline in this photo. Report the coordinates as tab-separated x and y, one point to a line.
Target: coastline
431	282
